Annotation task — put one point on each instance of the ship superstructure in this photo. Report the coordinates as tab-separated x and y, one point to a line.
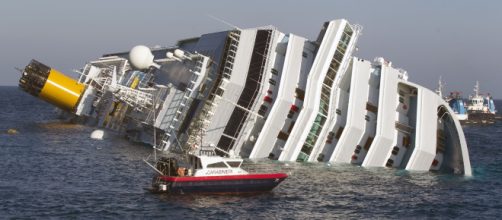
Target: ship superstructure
481	108
479	103
260	93
455	101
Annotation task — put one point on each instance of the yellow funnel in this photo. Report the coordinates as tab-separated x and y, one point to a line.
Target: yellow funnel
51	86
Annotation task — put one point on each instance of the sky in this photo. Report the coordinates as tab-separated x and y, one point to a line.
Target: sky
458	40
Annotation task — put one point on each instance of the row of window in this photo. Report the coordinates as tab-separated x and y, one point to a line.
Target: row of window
328	82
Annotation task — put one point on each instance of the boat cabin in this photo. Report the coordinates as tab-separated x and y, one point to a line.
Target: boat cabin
200	165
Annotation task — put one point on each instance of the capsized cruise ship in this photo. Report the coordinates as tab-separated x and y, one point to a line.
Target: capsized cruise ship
261	93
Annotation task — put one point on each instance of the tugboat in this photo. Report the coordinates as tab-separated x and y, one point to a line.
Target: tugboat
481	109
207	172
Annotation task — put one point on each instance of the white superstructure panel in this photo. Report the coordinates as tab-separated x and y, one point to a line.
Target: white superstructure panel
385	132
356	113
252	124
313	91
288	83
426	128
233	88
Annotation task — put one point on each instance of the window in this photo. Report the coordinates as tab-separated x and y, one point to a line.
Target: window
330	135
339	133
272	82
291	114
372	108
291	126
395	150
401	99
367	145
328	81
320	158
234	163
406	141
300	94
274	71
338	56
217	165
263	110
219	91
283	136
304	54
389	163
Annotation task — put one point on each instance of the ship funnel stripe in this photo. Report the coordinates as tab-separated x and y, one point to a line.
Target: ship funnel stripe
64	89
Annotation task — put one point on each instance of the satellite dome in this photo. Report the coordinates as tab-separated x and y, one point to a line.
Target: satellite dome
170	55
141	57
179	53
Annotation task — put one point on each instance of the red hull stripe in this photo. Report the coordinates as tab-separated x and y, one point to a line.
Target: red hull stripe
220	178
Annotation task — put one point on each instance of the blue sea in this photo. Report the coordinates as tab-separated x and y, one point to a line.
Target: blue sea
52	169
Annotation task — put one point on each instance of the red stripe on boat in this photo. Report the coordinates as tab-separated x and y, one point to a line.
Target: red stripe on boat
219	178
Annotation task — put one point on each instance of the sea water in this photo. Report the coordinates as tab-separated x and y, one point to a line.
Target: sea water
51	168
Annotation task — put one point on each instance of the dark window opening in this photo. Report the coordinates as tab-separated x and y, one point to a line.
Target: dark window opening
272	82
234	163
263	110
367	145
217	165
339	133
300	94
283	136
225	143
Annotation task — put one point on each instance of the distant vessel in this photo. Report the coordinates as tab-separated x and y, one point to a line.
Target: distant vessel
261	93
455	101
481	108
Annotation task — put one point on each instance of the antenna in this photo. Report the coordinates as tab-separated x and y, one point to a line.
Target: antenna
476	88
439	90
224	22
114	77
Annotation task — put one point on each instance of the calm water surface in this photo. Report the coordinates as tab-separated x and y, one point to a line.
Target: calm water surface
52	169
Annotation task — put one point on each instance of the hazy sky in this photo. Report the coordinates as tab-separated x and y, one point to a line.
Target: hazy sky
460	40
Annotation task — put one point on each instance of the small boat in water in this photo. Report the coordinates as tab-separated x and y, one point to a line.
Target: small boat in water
478	109
206	172
481	108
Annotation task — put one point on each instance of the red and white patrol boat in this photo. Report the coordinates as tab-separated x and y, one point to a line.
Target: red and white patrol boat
207	172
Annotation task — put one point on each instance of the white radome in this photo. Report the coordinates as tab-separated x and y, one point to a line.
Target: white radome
170	55
141	57
179	53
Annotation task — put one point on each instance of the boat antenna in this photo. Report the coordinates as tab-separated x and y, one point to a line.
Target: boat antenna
224	22
439	90
476	88
154	129
19	69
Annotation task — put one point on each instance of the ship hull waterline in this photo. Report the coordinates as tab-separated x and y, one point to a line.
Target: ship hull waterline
231	184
